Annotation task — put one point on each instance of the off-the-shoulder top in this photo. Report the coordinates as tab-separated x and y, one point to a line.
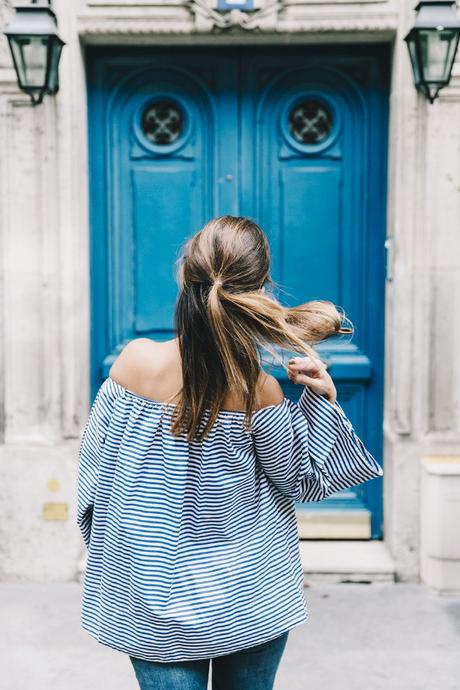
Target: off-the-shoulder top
193	546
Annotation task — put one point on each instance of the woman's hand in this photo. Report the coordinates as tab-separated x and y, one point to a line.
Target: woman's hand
312	372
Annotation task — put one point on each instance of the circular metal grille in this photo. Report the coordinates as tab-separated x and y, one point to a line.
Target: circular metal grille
310	121
162	122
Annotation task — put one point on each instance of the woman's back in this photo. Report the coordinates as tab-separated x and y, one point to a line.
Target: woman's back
193	547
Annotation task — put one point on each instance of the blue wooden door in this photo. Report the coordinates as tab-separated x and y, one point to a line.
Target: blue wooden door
295	139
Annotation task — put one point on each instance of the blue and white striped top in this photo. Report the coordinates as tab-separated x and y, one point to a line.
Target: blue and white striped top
193	546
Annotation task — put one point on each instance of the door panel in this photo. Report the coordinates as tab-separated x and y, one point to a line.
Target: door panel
315	123
181	136
164	131
309	204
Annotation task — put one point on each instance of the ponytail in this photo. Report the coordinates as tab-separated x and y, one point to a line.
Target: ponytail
221	328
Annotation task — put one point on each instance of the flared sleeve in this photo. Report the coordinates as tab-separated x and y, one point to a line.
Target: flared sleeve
91	444
309	449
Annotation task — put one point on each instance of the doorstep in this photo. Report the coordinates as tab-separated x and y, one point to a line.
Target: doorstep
334	524
332	561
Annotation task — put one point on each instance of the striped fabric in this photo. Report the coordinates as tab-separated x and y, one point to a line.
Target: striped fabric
193	546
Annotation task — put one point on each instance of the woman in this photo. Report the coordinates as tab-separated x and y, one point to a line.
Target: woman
190	463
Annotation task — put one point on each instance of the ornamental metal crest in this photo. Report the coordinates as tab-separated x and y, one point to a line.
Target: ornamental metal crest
250	15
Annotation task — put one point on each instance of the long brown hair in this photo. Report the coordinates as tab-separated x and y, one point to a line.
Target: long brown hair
223	315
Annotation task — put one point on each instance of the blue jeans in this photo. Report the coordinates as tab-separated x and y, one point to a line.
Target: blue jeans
253	668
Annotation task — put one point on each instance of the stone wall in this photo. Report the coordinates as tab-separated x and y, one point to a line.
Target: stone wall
44	287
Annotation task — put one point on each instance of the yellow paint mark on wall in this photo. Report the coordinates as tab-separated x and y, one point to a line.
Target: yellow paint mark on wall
441	458
53	485
55	511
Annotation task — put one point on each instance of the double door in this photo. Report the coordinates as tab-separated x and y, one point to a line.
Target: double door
294	139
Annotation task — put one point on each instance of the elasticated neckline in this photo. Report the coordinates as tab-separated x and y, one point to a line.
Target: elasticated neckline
159	403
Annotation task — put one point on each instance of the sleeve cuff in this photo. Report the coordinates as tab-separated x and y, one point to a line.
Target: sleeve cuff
311	403
323	418
348	462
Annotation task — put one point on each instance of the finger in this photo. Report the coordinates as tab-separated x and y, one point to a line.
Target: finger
307	361
307	367
317	371
299	360
305	380
309	382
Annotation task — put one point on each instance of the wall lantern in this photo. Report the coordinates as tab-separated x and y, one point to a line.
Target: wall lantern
36	49
432	44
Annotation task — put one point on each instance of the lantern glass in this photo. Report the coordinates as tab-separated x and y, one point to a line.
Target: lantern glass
438	49
53	72
30	54
413	54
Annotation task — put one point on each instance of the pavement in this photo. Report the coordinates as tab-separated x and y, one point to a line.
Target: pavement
377	636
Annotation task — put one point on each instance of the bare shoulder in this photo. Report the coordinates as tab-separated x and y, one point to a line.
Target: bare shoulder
138	357
269	390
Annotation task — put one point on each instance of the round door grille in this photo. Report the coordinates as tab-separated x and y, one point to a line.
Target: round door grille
162	122
310	121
